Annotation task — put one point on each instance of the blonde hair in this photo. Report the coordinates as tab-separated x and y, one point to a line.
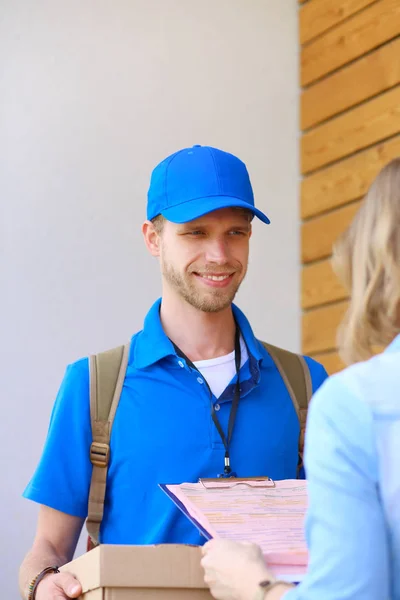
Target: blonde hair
367	259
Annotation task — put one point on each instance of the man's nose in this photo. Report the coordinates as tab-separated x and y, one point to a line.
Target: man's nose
217	251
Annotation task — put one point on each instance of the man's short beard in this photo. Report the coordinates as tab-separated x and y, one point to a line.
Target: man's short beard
215	301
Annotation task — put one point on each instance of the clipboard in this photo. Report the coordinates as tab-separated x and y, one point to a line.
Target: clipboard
181	506
259	509
214	483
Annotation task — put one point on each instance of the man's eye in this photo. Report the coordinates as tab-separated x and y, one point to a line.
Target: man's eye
234	232
196	232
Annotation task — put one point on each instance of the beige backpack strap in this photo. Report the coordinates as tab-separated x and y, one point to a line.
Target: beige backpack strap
295	373
107	373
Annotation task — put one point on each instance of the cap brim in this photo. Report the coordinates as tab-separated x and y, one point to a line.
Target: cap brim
194	209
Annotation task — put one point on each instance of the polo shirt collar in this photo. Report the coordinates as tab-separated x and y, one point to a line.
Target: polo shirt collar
152	345
253	345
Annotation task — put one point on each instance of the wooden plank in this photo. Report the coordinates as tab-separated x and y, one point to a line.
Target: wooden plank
317	17
319	234
319	285
346	180
360	127
320	327
331	361
354	37
373	74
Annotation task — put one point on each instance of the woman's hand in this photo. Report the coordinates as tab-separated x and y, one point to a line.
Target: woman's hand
233	570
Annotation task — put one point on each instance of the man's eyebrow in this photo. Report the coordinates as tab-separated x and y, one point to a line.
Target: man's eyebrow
191	226
246	226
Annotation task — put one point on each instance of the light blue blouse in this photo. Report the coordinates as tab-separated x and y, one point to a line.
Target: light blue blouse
352	460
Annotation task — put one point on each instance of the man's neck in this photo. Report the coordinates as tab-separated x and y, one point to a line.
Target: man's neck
199	335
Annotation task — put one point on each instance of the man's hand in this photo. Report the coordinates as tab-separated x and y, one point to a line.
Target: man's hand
55	542
59	586
233	570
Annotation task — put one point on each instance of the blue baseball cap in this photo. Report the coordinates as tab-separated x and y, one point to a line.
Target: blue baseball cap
196	181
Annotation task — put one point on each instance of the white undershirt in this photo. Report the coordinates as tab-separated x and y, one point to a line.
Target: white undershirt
219	372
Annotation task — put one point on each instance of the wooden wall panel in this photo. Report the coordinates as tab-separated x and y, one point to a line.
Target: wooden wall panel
351	39
331	361
317	17
347	180
358	128
319	285
319	234
374	73
320	327
350	117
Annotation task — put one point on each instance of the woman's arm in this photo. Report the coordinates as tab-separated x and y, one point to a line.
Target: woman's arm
346	530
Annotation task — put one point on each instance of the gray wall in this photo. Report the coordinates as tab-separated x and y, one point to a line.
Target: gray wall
93	94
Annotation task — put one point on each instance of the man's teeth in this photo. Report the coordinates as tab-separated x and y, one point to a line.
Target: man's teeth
216	277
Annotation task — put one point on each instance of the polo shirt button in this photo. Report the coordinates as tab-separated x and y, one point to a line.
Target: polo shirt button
199	379
217	407
180	363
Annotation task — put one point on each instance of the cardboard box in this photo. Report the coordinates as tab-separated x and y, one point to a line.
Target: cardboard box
167	571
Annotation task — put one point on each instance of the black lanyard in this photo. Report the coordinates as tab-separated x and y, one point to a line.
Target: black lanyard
235	403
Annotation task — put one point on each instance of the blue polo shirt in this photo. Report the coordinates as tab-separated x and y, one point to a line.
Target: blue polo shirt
163	433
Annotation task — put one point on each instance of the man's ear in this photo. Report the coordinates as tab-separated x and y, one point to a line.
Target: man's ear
151	238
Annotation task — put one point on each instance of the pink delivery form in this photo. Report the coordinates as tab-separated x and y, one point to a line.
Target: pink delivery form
270	514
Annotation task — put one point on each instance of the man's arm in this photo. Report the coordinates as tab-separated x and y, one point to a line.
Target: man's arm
54	545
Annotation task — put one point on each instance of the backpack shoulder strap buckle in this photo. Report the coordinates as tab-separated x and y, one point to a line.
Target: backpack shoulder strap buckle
99	454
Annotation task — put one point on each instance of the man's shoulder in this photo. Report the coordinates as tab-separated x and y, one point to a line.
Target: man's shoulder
76	372
318	372
82	364
314	366
141	348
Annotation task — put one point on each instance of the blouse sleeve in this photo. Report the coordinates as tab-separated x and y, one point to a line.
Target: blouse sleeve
345	527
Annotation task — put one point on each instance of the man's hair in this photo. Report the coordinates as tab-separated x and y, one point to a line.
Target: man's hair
367	260
159	220
158	223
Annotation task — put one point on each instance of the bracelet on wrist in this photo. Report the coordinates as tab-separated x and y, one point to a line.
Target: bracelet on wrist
266	586
36	580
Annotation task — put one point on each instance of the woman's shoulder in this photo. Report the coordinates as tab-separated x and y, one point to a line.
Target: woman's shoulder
373	382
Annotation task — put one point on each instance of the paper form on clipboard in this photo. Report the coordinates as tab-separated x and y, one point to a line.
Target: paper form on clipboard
271	516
